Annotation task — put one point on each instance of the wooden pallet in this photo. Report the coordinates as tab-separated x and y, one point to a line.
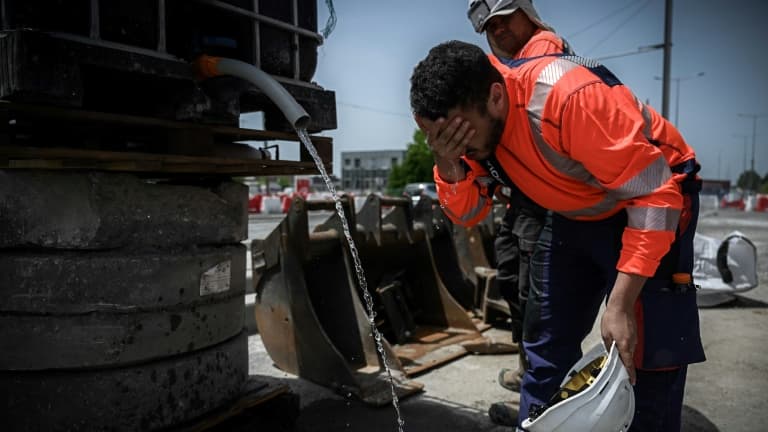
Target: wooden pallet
44	137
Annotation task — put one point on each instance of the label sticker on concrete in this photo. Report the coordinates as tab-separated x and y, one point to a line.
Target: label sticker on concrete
216	279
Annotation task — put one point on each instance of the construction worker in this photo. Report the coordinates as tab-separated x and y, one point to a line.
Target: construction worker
612	174
514	31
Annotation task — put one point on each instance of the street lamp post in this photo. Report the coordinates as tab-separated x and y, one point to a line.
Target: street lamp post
754	118
744	137
677	92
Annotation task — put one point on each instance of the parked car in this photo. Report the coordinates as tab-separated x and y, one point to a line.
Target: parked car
416	190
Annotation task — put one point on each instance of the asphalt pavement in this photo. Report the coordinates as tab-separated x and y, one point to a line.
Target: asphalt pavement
726	393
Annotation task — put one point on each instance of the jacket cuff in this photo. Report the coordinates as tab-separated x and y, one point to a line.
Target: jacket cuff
635	264
457	187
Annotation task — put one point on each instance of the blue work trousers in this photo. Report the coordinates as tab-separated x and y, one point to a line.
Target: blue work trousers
573	268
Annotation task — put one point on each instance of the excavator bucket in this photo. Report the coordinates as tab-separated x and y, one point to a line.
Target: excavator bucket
309	313
452	265
475	258
310	306
416	311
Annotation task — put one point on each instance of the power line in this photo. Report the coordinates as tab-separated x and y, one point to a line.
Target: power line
639	50
373	109
621	24
599	21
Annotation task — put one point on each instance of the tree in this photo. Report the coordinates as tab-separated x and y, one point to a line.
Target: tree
763	185
749	180
416	167
285	181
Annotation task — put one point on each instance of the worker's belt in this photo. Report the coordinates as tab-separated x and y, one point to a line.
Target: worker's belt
691	183
690	167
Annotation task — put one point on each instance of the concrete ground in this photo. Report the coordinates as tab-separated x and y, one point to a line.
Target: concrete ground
727	393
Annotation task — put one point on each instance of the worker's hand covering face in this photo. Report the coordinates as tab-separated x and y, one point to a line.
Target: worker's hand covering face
448	139
468	133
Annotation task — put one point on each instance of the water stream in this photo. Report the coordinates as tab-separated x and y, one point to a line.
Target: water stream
304	137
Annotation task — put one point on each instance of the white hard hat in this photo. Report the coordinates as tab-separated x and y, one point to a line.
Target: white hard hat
595	396
480	11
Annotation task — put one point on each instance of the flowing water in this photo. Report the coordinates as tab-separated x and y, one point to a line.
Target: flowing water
304	136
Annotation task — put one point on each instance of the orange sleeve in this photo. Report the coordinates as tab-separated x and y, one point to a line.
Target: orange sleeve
602	128
468	201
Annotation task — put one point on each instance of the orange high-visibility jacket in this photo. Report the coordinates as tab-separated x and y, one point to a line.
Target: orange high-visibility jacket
541	43
668	139
579	143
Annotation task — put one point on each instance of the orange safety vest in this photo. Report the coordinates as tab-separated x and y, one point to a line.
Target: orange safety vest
579	143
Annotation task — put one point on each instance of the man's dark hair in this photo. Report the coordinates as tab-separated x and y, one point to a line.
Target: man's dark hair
454	74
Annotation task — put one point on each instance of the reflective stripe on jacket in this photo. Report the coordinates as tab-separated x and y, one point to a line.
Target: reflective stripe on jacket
576	141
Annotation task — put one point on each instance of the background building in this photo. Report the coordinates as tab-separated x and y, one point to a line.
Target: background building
367	171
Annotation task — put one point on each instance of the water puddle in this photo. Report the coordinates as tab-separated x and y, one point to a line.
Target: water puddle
304	137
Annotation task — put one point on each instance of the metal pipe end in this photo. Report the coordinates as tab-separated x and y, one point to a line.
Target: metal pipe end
302	122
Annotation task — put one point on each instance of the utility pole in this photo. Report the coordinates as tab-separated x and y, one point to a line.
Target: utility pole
667	59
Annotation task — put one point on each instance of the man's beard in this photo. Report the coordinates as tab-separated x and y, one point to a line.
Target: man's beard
509	45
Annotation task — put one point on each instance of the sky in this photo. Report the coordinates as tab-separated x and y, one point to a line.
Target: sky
368	59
